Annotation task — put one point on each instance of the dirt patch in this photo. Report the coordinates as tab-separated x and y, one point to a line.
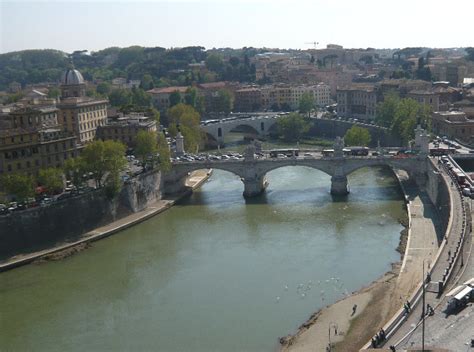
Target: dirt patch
64	254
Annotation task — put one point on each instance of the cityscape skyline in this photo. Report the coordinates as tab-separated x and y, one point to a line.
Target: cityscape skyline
94	25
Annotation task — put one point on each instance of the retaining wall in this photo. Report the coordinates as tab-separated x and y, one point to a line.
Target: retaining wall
66	220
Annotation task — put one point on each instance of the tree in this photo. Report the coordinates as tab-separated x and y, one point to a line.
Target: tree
175	98
74	168
120	97
104	158
292	127
470	53
54	92
357	136
20	186
224	101
215	63
409	113
51	179
163	153
187	120
147	82
306	103
146	146
190	96
140	98
103	88
386	110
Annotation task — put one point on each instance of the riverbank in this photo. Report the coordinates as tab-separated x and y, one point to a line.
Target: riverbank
380	300
65	249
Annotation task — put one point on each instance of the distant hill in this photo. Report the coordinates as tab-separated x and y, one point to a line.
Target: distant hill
162	66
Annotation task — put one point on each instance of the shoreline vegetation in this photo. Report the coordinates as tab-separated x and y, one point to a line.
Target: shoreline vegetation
358	316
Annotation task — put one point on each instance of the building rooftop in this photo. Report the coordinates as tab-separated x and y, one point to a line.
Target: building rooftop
167	90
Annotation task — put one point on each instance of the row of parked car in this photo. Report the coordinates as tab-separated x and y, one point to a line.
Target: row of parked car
43	200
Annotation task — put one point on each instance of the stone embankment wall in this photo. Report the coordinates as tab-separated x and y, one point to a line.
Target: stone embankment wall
38	228
438	193
330	128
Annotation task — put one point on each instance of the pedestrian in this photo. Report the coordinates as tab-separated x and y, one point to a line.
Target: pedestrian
392	348
382	334
354	308
409	305
373	343
449	254
335	330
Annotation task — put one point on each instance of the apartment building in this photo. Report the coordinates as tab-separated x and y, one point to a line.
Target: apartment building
357	102
125	128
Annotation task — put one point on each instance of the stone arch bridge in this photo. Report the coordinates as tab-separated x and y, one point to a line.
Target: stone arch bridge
261	125
252	171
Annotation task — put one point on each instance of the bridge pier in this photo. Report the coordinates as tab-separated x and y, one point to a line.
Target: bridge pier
339	185
254	186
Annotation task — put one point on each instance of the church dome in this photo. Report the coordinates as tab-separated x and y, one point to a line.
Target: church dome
72	77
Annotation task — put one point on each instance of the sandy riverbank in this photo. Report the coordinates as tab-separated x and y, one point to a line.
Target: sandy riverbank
377	302
66	249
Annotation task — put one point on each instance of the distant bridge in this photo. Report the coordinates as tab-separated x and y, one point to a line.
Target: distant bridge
260	125
252	170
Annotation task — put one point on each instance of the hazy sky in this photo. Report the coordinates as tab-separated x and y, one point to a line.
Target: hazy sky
94	25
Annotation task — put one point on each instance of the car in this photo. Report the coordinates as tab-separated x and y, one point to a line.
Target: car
466	192
46	201
3	209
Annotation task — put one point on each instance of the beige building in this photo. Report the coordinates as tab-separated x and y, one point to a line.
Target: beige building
425	97
454	125
79	114
32	139
357	102
125	128
161	96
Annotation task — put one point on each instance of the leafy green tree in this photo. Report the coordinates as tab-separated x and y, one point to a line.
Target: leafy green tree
54	92
104	158
19	186
386	110
140	98
357	136
52	179
74	168
13	98
470	53
103	88
164	153
214	62
292	127
175	98
190	96
147	82
408	114
146	145
224	101
201	104
120	97
306	103
187	119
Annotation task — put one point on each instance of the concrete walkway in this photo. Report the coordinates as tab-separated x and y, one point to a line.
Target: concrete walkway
438	269
194	181
422	243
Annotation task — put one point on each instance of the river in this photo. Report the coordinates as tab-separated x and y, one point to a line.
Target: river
214	273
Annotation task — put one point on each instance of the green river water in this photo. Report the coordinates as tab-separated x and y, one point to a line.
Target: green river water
214	273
